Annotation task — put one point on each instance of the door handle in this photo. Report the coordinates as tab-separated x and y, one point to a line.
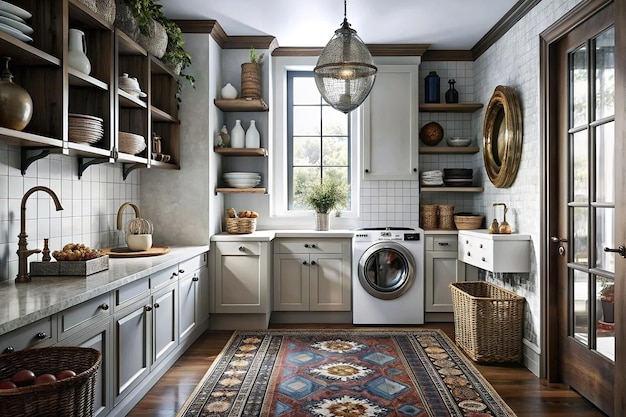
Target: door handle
557	239
621	249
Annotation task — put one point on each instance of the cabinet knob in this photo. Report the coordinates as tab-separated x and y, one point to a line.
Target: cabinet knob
467	242
481	245
469	254
304	262
313	245
483	259
367	171
195	278
157	305
41	335
9	349
242	248
414	169
104	306
313	263
174	275
306	245
147	307
181	271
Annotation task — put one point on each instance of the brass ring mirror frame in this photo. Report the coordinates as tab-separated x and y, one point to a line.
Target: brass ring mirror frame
502	137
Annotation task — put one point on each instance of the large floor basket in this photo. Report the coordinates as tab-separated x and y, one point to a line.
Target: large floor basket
70	397
487	321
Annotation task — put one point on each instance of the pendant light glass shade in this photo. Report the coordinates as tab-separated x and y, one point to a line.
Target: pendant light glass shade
345	70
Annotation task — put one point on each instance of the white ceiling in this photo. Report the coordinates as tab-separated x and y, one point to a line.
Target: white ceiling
443	24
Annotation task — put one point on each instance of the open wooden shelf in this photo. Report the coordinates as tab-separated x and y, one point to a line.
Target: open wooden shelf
452	189
450	107
240	190
241	151
241	104
449	149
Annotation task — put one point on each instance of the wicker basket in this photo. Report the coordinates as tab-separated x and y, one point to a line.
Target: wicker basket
429	216
468	221
487	321
446	216
72	396
239	225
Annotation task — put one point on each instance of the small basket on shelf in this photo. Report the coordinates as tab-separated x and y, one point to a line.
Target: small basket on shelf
240	225
71	397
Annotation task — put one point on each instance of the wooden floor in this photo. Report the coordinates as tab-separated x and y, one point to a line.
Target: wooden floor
526	394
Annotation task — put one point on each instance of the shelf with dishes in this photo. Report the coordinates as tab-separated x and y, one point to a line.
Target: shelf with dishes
241	182
449	150
450	107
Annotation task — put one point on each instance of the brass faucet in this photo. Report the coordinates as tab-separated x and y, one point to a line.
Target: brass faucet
23	252
504	227
121	210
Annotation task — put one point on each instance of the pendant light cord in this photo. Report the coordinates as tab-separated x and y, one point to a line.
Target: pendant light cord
345	9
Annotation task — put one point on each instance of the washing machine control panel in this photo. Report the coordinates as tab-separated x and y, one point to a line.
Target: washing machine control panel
373	236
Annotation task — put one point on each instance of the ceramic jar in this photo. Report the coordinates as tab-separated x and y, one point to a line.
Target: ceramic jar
16	105
431	90
229	92
237	136
77	56
253	138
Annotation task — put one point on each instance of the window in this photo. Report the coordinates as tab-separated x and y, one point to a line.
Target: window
318	138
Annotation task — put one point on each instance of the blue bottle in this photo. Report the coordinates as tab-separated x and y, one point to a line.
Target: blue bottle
431	92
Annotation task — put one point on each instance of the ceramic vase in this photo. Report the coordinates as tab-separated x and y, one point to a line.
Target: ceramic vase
322	221
237	136
250	80
77	56
431	90
229	92
253	138
16	105
452	96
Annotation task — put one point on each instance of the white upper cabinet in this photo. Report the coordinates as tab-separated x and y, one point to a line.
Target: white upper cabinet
390	124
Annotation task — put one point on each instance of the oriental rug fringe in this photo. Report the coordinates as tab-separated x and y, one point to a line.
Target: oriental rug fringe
343	373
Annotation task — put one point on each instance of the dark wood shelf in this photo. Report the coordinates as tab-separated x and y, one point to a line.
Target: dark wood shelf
241	151
449	149
452	108
452	189
242	104
240	190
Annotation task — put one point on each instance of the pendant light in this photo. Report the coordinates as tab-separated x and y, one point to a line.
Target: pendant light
345	70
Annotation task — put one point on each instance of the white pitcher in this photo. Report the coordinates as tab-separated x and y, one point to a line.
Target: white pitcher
77	57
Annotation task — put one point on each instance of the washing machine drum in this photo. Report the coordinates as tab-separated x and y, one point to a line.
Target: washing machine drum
386	270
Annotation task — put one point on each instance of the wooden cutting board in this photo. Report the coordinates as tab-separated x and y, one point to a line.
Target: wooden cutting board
124	252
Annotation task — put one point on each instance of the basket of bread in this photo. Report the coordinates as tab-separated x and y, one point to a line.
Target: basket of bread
74	259
240	222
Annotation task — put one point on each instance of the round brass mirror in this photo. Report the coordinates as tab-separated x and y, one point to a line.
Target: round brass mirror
502	137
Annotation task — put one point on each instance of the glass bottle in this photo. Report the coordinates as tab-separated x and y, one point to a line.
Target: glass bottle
237	136
431	92
452	96
253	138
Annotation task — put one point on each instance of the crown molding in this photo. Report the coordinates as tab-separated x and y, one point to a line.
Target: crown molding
447	55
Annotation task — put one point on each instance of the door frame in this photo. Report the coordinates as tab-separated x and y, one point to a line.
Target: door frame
548	199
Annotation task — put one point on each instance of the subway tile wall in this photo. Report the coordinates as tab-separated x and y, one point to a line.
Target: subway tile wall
90	204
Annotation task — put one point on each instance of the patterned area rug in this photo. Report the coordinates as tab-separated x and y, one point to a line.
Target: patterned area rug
343	373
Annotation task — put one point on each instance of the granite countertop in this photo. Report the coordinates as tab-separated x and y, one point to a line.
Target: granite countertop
26	303
269	235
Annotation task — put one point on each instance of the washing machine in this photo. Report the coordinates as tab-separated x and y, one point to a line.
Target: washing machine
388	276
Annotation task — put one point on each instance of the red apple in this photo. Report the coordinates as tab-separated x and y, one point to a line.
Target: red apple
7	385
23	378
45	379
66	373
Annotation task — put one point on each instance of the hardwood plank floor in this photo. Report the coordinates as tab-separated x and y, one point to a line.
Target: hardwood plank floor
526	394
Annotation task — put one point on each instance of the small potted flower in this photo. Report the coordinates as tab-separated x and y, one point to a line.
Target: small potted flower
251	75
325	196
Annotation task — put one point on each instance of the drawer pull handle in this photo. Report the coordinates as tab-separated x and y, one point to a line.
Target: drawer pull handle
181	271
195	279
9	349
104	306
157	305
41	335
242	248
147	308
174	275
443	243
313	263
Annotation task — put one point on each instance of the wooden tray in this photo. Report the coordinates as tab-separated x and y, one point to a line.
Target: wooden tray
124	252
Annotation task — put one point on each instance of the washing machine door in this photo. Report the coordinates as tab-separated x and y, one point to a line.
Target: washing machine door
386	270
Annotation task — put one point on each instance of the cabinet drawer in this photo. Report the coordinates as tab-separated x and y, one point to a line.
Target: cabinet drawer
193	264
76	318
477	252
309	246
38	334
498	253
442	242
239	248
131	292
164	277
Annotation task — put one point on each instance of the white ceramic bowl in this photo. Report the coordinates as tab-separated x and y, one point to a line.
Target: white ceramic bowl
243	183
254	175
456	141
139	242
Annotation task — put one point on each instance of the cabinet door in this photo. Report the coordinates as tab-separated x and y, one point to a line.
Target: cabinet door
330	282
98	337
291	282
132	347
442	269
165	322
390	125
241	277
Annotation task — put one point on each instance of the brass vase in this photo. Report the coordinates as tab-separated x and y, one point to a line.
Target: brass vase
16	105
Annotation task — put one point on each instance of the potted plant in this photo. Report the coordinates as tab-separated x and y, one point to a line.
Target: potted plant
607	297
251	75
325	196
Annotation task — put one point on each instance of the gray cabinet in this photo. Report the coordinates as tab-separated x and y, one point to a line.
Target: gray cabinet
442	268
164	322
312	275
242	271
192	295
38	334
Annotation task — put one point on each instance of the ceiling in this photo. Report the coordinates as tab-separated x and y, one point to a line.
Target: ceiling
443	24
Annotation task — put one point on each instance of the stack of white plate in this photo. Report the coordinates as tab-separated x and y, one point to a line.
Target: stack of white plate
242	179
431	178
12	21
85	129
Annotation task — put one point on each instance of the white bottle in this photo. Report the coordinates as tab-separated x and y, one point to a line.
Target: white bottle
237	136
253	138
